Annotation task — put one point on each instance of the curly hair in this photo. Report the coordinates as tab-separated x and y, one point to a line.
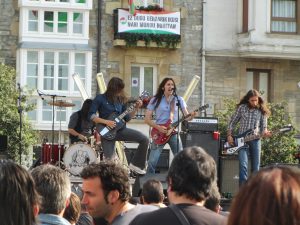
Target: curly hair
113	177
192	173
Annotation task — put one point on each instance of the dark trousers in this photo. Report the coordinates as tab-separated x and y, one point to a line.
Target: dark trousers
127	134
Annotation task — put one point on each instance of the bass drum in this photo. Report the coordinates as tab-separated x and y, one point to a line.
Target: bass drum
78	156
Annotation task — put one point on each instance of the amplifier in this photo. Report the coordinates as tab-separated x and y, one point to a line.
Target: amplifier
209	124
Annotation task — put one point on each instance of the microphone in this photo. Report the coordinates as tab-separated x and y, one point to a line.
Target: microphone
39	93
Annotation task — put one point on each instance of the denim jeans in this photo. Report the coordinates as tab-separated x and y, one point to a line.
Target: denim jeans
157	149
252	150
127	134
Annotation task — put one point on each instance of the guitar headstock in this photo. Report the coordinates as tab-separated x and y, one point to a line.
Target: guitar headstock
201	108
144	95
286	128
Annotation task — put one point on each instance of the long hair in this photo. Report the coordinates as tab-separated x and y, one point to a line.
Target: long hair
18	195
261	103
271	196
85	109
115	91
160	91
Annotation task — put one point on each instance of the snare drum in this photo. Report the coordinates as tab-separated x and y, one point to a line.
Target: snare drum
78	156
46	153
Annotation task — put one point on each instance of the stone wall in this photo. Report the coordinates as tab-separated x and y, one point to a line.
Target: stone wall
9	31
226	78
181	64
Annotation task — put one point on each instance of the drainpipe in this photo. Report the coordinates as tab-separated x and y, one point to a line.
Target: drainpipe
203	53
99	25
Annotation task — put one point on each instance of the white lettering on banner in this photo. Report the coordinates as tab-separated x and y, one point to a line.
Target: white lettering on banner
145	22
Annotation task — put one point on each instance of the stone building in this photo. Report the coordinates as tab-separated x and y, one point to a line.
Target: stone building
232	46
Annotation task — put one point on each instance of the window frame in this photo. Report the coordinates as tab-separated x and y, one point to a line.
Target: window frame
142	76
286	19
256	80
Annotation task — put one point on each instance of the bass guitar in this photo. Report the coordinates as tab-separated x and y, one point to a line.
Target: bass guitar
242	139
161	138
109	133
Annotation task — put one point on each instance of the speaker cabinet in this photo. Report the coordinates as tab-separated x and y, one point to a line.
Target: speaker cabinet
162	164
229	175
140	180
204	140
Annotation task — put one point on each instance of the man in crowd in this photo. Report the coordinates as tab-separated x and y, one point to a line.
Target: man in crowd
54	186
153	193
106	193
190	180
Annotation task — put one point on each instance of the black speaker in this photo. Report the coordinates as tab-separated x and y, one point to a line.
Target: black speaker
140	180
3	143
205	140
229	175
162	164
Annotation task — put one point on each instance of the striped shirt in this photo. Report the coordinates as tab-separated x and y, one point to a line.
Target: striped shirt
248	118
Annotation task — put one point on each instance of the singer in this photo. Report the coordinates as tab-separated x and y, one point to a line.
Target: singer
164	105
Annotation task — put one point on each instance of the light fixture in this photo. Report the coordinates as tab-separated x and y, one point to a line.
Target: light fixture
80	86
191	88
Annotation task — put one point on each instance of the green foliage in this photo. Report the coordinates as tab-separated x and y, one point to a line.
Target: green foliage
131	39
279	148
9	116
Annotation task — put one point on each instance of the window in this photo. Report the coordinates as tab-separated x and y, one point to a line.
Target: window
63	71
49	71
80	65
259	80
32	69
77	23
56	22
33	17
143	78
32	115
284	17
57	68
145	3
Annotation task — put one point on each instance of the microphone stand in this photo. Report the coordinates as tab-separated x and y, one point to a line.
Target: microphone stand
20	124
178	118
53	117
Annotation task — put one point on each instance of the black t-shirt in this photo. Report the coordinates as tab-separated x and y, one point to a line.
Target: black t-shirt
196	215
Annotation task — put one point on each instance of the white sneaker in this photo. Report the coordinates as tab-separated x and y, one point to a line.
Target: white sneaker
136	169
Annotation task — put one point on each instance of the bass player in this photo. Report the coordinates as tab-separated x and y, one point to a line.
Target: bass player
113	101
251	113
163	104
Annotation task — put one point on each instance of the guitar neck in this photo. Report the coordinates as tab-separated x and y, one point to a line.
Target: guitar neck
128	110
257	136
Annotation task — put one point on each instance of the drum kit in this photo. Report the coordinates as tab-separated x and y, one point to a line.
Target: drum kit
74	158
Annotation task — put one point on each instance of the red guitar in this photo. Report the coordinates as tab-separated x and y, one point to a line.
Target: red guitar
161	138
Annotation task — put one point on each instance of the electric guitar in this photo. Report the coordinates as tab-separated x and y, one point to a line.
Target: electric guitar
241	140
161	138
109	133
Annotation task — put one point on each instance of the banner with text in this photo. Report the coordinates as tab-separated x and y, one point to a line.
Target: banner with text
154	22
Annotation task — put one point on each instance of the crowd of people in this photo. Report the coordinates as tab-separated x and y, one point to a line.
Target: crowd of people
43	195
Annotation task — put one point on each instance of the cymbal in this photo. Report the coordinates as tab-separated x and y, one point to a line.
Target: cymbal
61	103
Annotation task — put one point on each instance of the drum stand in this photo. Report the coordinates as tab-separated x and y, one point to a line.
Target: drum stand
59	140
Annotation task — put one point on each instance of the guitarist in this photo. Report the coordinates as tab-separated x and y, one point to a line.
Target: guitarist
251	113
164	105
114	101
